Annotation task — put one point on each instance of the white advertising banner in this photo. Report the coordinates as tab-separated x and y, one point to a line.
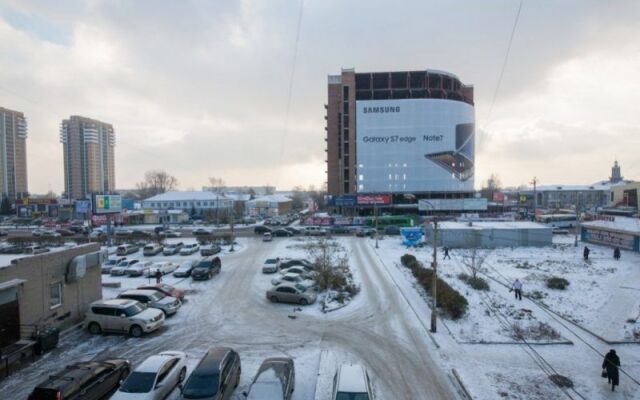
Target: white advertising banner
414	145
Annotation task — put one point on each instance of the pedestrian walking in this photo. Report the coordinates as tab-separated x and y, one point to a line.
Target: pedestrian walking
610	367
517	288
585	253
446	253
616	253
158	276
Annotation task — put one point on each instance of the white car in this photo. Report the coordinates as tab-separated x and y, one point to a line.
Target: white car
297	270
352	382
110	263
270	265
184	269
164	267
293	279
155	378
122	316
189	249
139	269
121	268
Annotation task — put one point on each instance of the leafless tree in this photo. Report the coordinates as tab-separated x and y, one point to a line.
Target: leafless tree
474	260
330	263
217	183
155	182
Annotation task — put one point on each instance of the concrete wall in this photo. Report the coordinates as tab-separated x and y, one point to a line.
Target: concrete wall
40	272
492	238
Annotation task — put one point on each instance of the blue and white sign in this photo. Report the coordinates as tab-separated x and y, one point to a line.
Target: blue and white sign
411	236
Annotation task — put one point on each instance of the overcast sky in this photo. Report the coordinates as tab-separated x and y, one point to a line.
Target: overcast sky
199	88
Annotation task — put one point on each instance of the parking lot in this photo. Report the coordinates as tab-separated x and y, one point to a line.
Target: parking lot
378	329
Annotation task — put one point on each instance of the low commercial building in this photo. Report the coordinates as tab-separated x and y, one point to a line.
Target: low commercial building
491	234
49	290
622	232
190	202
148	216
269	206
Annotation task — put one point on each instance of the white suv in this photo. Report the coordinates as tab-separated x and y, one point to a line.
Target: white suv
122	316
352	382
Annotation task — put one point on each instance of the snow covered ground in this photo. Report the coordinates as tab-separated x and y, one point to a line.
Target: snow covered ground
600	298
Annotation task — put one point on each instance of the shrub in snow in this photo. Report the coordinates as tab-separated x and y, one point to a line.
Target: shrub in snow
475	282
557	283
408	259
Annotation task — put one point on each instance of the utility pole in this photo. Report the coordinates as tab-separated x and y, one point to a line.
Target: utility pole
375	212
577	228
233	238
535	195
434	285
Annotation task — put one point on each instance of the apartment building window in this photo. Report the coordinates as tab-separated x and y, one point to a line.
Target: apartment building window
55	295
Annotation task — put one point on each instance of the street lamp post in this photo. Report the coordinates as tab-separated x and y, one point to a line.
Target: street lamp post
434	266
233	238
375	212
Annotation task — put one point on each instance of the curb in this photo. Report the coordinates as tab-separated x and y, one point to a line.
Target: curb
462	386
563	342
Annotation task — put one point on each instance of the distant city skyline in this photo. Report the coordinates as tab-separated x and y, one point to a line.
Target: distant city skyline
201	89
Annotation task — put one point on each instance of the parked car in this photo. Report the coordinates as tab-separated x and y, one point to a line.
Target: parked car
282	233
284	264
184	269
165	267
166	289
290	293
153	298
189	249
391	230
314	231
126	249
121	268
293	279
201	232
215	377
275	380
122	316
122	232
293	230
206	268
140	232
270	265
140	268
37	232
152	249
89	380
10	249
78	229
171	233
299	270
97	235
36	250
155	378
261	230
65	232
172	248
110	263
267	237
365	232
340	229
210	250
352	382
49	233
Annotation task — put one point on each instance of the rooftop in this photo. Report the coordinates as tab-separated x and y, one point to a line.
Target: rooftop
187	196
619	224
479	225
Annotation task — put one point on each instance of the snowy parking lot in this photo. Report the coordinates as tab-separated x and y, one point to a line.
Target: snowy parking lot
377	329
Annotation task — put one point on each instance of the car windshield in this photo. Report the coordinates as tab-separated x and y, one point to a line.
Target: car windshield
352	396
166	288
157	296
201	386
271	261
133	309
138	382
171	246
204	264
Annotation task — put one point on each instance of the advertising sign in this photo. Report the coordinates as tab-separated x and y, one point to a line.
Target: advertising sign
414	145
345	201
378	199
107	204
622	240
83	206
498	197
452	205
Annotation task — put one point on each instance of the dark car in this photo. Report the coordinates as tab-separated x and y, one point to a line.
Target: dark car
364	232
295	262
206	268
276	379
65	232
92	380
211	250
261	230
282	233
391	230
340	229
293	230
215	377
11	249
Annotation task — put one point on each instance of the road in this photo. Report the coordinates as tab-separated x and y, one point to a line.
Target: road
378	330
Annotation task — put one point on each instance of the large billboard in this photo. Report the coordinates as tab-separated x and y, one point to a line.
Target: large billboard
107	204
414	145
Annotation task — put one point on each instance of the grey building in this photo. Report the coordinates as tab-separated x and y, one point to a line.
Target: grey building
493	234
13	154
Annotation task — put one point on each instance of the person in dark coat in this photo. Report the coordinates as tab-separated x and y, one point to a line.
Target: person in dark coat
446	254
158	276
610	364
585	253
616	253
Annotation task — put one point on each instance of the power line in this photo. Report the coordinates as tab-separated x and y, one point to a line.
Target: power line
504	65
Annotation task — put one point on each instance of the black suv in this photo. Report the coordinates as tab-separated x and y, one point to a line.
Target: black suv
85	380
206	268
261	230
215	377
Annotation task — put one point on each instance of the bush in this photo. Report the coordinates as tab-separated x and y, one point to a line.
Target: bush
557	283
476	283
449	299
408	259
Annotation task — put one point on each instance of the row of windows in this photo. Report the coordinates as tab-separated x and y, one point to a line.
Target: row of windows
184	204
392	177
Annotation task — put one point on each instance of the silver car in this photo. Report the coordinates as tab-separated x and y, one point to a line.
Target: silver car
152	298
155	378
289	293
275	380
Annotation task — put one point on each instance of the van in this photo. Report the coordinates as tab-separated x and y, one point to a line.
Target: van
215	377
151	250
206	268
267	237
314	231
92	380
126	249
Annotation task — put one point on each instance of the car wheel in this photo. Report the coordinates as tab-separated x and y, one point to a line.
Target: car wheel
135	331
274	299
94	328
303	302
183	374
